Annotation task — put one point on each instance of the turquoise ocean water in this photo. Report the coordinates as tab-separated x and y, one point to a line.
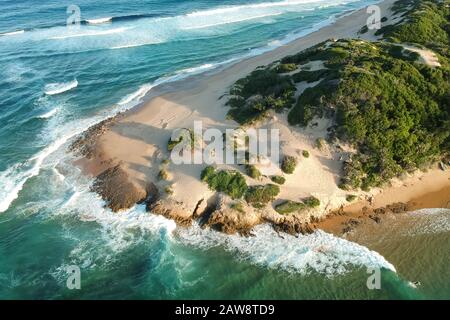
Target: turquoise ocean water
56	82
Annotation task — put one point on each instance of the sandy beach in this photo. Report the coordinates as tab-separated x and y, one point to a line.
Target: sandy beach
136	141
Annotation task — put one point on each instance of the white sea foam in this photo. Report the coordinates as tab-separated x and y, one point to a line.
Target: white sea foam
57	88
99	20
320	251
218	24
136	96
49	114
427	221
13	33
91	33
249	7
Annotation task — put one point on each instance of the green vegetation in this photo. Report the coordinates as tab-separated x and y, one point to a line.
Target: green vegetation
278	179
312	202
351	198
305	153
363	29
168	190
286	67
254	96
230	182
321	144
258	196
289	206
238	206
172	143
288	164
253	172
163	174
426	23
394	110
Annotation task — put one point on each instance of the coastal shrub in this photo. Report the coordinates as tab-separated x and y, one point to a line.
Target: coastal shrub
289	206
230	182
260	195
258	93
394	111
172	143
363	29
278	179
312	202
286	67
305	153
163	174
288	164
350	198
321	144
310	76
253	172
427	23
168	190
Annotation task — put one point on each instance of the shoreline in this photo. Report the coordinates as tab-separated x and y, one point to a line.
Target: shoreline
423	190
128	151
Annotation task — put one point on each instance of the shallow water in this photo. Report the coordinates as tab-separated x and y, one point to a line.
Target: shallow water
56	83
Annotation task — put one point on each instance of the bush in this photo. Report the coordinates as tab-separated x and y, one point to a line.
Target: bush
168	190
288	164
286	67
321	143
363	29
351	197
289	206
312	202
253	172
278	179
171	144
163	174
258	196
305	153
230	182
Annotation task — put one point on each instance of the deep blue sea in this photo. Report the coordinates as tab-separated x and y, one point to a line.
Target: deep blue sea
57	81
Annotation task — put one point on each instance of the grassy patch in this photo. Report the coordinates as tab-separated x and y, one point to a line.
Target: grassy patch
312	202
230	182
289	206
278	179
253	172
258	196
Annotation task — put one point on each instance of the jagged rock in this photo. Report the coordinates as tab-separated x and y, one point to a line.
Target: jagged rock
171	210
228	220
84	144
375	218
201	207
294	226
398	207
114	187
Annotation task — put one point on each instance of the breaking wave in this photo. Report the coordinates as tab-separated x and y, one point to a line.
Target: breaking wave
320	251
57	88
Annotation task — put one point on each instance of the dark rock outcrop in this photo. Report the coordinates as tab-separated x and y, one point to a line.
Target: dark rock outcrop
119	193
292	225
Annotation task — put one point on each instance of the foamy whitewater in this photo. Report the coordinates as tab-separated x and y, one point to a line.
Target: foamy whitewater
58	81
